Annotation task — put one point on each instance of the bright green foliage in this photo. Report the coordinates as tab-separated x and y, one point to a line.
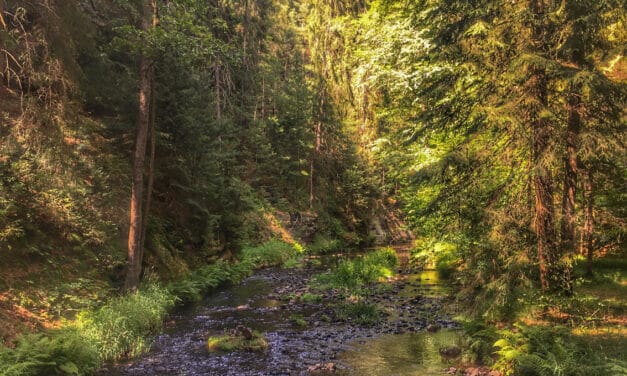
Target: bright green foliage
310	298
65	352
121	327
370	268
543	351
271	253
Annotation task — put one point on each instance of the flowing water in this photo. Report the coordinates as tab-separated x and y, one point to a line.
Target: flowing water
398	345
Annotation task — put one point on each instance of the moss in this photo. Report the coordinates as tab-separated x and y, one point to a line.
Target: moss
229	343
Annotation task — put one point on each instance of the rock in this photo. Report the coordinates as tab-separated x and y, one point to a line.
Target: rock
321	369
432	328
245	332
450	352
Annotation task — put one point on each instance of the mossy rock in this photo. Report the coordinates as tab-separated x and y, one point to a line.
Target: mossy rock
229	343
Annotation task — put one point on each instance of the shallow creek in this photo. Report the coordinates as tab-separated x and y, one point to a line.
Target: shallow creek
398	345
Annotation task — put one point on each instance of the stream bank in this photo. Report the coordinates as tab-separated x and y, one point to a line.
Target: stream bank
268	302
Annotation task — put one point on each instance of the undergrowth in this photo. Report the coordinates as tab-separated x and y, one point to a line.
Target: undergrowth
121	327
353	274
322	244
545	351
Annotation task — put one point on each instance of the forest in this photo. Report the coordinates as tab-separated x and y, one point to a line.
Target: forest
313	187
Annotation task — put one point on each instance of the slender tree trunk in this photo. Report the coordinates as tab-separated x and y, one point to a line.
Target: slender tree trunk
216	68
589	223
543	186
146	73
151	171
567	239
544	221
314	155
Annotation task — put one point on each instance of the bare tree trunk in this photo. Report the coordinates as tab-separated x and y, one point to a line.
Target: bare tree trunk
314	155
151	171
567	239
146	73
216	67
589	223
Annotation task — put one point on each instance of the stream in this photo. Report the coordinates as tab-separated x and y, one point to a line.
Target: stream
398	345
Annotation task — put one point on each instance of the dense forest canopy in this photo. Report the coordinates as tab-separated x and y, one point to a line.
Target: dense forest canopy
143	139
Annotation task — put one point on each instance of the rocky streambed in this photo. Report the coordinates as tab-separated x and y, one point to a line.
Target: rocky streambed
304	336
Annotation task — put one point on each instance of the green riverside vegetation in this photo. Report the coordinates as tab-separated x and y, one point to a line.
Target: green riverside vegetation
152	150
123	326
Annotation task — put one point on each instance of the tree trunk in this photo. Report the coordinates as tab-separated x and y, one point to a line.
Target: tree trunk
544	221
589	224
314	155
543	185
151	171
216	67
146	73
567	239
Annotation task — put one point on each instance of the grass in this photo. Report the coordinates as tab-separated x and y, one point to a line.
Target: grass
271	253
299	320
310	298
353	274
322	245
230	343
362	313
122	326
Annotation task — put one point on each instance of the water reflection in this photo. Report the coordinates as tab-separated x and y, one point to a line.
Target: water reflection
404	354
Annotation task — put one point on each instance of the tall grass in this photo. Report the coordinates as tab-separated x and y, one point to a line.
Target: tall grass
122	327
352	274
